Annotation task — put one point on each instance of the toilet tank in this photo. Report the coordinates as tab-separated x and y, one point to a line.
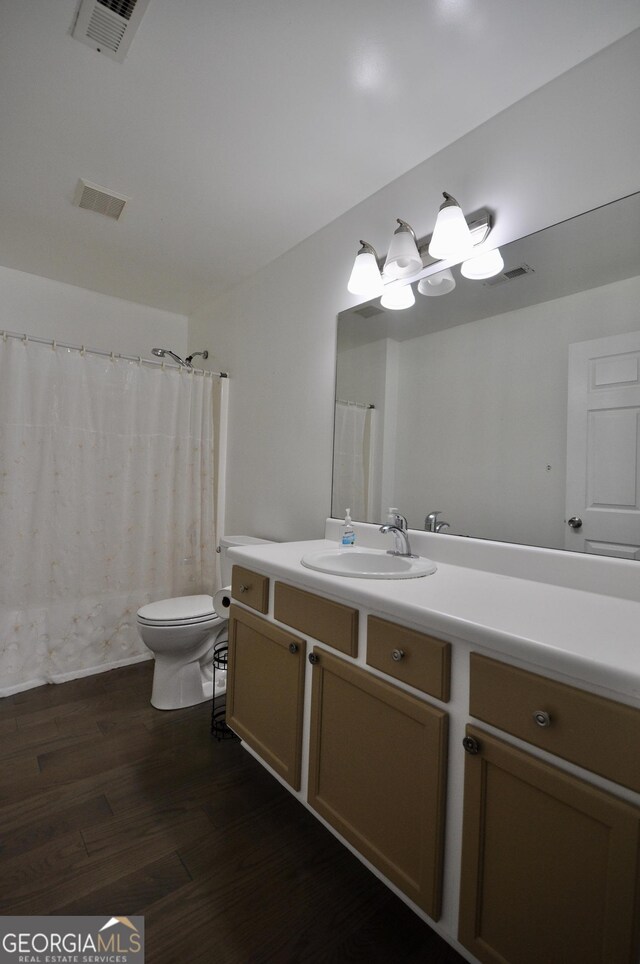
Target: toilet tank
229	542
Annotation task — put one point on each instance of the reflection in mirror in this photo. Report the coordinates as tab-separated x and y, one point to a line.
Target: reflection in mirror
511	404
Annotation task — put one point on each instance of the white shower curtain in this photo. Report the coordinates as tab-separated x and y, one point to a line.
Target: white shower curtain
351	460
106	502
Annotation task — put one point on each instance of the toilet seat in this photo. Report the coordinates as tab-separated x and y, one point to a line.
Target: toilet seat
178	622
179	611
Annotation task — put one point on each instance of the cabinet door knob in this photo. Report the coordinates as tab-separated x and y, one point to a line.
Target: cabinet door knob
244	588
293	647
542	718
314	658
397	655
471	745
575	522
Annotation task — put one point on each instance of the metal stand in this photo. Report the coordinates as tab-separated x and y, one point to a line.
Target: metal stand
219	727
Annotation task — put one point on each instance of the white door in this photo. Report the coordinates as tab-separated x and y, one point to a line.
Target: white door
603	447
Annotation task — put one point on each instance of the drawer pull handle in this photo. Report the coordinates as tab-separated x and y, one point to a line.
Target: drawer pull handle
244	588
397	655
471	745
293	647
313	659
542	718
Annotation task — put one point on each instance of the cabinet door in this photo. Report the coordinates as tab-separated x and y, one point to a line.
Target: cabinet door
377	774
265	691
549	863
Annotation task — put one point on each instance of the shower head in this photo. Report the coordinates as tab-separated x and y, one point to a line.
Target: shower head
161	352
186	363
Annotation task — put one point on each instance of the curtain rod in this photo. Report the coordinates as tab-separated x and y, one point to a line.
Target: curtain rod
107	354
342	401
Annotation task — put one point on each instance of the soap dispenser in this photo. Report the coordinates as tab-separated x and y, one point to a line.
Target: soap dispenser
348	537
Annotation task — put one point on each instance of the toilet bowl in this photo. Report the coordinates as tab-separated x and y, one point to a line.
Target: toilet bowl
181	633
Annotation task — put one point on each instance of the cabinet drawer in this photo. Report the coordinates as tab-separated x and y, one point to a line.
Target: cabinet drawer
328	621
415	658
250	588
596	733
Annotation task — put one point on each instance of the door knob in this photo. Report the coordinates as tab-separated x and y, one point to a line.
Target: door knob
575	522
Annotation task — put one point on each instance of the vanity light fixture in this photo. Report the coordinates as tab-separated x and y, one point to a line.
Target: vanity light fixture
451	237
437	284
410	259
398	297
365	279
484	265
403	258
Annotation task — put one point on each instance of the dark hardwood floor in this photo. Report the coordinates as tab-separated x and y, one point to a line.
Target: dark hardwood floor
108	806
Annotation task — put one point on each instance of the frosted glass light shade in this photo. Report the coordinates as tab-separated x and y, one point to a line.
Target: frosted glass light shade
365	279
451	237
397	298
437	284
484	265
403	258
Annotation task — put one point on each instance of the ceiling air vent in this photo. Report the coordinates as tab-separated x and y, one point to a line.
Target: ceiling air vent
510	275
108	25
92	197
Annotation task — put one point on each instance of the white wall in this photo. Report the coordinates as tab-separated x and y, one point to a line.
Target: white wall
482	415
43	308
568	147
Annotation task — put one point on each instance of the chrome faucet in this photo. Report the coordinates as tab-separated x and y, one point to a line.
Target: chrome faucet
401	537
400	521
431	523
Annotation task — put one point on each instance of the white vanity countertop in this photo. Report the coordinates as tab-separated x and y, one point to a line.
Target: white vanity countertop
586	636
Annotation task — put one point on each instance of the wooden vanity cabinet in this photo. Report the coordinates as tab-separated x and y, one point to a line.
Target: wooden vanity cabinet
377	762
265	691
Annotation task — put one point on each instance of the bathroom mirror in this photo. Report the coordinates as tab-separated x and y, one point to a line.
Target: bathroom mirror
511	404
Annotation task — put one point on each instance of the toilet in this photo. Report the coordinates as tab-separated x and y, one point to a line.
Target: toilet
181	633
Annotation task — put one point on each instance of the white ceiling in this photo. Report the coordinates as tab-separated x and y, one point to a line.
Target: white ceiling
241	127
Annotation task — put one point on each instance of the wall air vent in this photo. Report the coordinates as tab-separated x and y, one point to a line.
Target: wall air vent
369	311
510	275
108	25
92	197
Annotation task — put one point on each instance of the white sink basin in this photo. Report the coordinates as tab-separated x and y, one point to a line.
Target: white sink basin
367	564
